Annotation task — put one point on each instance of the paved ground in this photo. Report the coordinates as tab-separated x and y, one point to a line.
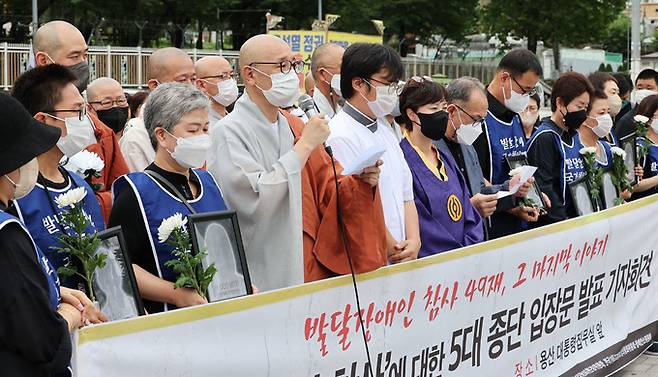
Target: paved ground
644	366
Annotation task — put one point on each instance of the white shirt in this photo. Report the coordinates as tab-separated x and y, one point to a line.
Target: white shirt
350	137
136	145
323	104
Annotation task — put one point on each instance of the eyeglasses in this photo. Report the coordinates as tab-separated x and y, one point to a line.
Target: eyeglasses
108	103
531	92
222	77
82	111
286	65
393	87
477	122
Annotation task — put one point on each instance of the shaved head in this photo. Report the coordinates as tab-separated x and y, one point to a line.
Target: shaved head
211	66
103	87
328	55
263	48
168	65
59	42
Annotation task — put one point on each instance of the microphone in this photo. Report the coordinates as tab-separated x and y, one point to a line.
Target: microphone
307	105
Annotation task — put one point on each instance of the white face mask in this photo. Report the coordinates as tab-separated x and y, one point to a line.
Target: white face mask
335	84
228	92
384	103
516	102
654	125
29	174
604	125
466	133
284	90
190	152
639	94
79	135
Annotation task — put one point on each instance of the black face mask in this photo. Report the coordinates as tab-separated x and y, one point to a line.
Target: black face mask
433	125
81	71
573	119
115	118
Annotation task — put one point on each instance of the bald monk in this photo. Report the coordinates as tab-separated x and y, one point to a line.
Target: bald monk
325	68
165	65
108	101
62	43
215	77
274	172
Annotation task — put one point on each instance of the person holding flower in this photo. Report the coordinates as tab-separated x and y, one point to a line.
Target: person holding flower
647	115
555	149
50	95
36	315
176	117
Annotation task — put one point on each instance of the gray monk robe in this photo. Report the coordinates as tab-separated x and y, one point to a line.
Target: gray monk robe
260	177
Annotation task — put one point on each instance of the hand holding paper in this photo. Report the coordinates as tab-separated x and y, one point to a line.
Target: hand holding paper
366	159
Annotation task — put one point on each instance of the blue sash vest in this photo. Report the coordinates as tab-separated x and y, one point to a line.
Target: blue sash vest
505	139
48	270
36	212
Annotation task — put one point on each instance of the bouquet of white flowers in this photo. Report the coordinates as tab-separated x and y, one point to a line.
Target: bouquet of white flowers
620	173
594	172
76	242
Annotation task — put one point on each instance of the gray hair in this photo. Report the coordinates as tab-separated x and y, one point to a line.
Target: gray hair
168	103
461	89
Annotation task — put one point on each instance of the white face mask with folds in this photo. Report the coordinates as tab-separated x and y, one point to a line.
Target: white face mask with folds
190	152
284	90
603	125
28	179
79	135
384	103
516	102
227	92
466	133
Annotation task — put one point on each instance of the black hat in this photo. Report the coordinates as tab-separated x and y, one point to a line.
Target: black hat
22	137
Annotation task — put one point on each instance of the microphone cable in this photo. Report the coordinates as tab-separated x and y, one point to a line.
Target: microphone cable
343	234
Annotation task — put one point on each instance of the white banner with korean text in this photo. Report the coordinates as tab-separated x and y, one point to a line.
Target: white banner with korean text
575	299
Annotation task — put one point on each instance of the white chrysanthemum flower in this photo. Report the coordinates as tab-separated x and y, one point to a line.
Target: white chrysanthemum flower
84	161
515	171
587	150
641	119
169	224
71	197
618	151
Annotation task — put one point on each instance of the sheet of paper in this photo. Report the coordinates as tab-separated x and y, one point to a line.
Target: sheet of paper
501	194
366	159
526	172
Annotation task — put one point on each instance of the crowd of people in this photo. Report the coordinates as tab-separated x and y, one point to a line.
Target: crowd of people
193	144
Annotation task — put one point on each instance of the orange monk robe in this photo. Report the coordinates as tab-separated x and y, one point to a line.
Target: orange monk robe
107	148
363	216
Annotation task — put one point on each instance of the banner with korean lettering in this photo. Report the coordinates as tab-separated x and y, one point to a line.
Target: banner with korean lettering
304	42
572	299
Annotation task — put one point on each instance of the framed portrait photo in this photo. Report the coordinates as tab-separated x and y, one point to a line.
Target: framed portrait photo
534	194
629	146
608	191
115	285
582	201
218	234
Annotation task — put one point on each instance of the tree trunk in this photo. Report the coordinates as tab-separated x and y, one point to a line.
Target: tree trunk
532	42
199	40
556	56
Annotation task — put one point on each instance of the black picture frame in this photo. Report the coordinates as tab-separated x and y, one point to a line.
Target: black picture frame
115	285
608	190
227	254
628	144
581	198
534	194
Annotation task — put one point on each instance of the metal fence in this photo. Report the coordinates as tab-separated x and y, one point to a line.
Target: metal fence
129	65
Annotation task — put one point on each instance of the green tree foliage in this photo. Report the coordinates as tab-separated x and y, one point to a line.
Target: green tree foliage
554	22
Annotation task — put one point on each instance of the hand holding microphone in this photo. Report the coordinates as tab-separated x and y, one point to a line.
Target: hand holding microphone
316	131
